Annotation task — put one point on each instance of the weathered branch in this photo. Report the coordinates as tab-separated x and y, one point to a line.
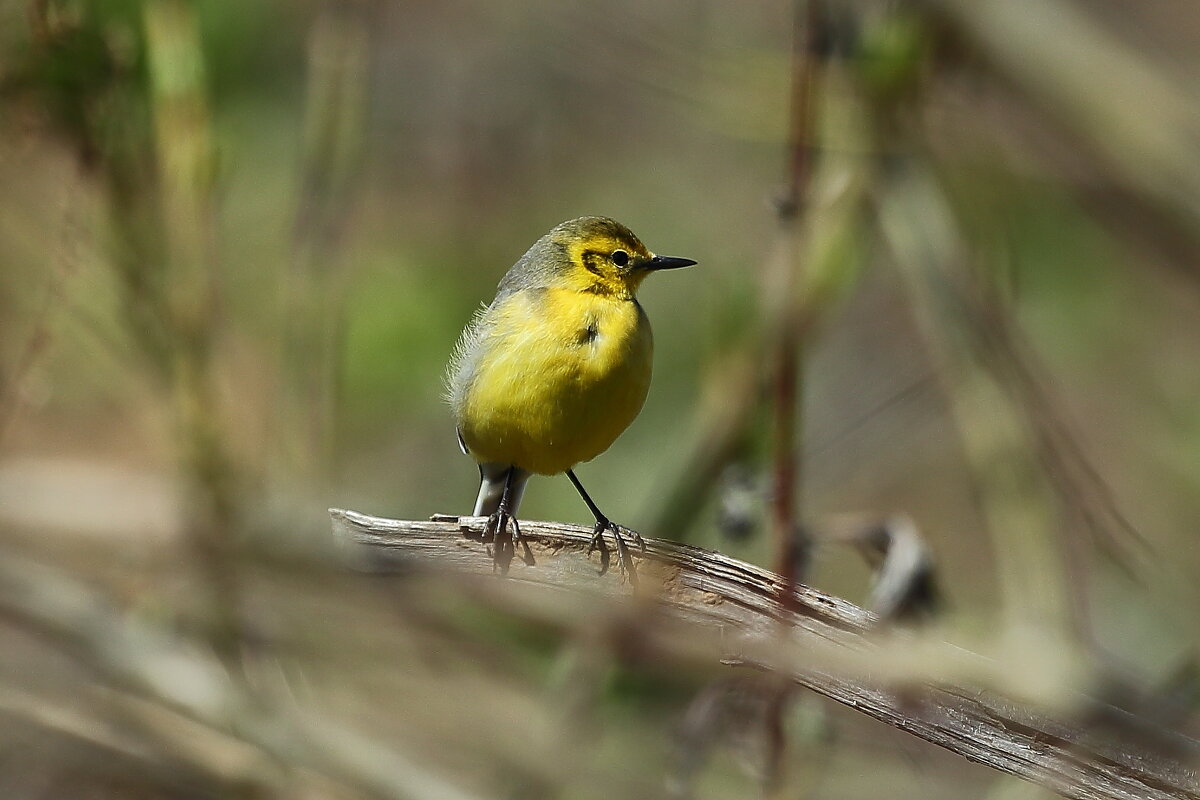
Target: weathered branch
740	601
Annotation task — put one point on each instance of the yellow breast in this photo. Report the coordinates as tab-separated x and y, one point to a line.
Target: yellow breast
557	376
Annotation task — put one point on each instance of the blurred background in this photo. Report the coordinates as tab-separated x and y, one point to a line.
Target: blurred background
238	244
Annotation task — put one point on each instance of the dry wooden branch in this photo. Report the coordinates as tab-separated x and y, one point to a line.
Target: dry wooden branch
712	591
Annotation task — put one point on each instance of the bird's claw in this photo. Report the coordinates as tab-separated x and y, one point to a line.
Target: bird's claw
497	528
623	557
503	542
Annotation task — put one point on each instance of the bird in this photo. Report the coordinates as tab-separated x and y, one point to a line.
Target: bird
553	370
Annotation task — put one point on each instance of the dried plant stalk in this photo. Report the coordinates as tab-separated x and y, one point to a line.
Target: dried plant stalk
738	604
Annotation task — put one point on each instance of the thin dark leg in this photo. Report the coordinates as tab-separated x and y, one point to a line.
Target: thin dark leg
495	519
602	524
583	493
496	532
506	505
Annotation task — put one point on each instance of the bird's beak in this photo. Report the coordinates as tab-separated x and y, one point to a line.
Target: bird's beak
668	262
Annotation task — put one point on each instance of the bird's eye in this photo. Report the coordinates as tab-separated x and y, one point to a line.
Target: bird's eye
620	258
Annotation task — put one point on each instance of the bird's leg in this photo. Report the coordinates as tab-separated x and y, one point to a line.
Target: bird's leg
499	519
603	524
496	531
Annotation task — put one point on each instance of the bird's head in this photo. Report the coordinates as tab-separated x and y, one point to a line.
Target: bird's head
598	254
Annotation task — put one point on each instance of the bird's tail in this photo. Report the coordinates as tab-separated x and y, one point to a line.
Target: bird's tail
492	479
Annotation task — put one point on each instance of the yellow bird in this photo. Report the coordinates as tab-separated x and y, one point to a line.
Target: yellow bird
555	368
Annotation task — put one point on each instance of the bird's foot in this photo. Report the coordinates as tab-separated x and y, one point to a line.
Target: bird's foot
504	544
619	535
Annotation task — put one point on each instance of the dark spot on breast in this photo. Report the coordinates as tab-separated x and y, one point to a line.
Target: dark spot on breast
588	334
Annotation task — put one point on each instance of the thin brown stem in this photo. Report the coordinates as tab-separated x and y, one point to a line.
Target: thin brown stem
787	392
